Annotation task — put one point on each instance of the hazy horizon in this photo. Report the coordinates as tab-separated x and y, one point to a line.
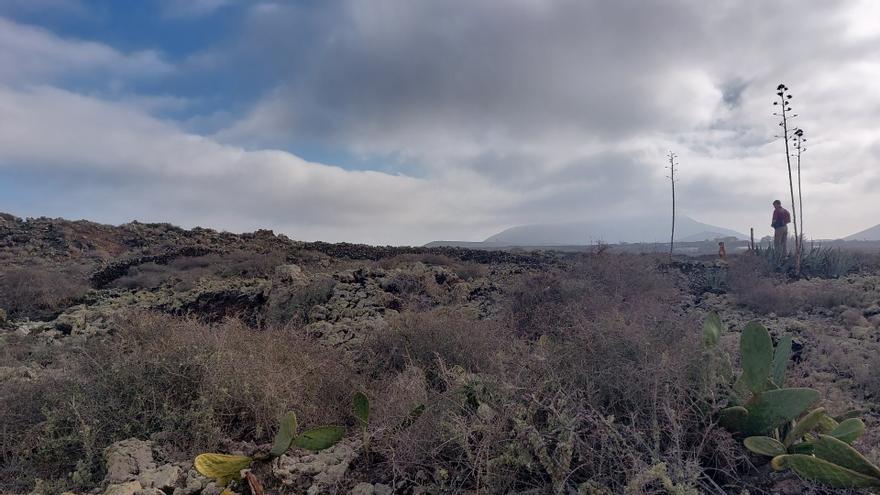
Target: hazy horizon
401	122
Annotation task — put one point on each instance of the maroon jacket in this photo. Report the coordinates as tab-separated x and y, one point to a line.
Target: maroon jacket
781	218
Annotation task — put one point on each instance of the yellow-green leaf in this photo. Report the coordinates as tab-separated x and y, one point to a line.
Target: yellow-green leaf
222	467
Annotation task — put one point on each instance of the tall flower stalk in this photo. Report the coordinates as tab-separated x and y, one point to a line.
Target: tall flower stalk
799	140
785	115
671	167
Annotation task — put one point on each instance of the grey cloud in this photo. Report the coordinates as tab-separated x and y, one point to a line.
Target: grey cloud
391	73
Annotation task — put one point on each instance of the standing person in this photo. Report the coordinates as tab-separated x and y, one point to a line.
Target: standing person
781	219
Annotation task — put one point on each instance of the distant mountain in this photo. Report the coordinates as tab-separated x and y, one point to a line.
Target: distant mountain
461	244
872	234
639	229
704	236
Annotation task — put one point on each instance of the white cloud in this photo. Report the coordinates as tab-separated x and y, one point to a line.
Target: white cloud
193	8
134	166
30	54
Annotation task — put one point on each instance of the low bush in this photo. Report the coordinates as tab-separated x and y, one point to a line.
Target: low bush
426	339
764	292
184	272
38	291
184	384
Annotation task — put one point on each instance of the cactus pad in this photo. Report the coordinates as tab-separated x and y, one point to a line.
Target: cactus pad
780	360
361	408
775	407
756	351
840	453
765	446
284	437
824	472
320	438
803	426
849	430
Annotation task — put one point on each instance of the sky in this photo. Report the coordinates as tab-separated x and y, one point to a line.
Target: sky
407	121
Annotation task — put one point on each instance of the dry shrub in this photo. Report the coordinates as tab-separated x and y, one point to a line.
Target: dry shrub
40	291
421	339
465	270
547	303
177	381
765	292
145	276
470	271
405	284
291	304
827	294
411	258
183	273
613	388
860	362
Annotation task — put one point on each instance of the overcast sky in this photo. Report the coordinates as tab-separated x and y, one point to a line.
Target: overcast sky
406	121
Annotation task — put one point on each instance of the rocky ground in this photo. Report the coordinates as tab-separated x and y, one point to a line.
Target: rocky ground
341	295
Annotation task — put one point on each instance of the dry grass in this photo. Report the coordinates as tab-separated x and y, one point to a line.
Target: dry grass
177	381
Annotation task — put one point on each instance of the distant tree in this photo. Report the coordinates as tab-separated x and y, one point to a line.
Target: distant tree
671	167
785	115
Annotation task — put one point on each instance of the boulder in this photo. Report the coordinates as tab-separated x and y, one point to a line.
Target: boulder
131	468
129	488
162	477
291	273
127	459
318	471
